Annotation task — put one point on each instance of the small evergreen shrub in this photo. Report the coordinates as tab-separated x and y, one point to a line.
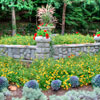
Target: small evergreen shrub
33	94
78	95
2	97
96	81
32	84
74	81
55	84
19	98
3	83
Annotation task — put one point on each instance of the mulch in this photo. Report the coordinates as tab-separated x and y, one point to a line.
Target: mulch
18	92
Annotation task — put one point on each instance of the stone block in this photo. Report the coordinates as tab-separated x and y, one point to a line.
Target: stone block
45	50
60	55
22	50
16	56
60	50
27	56
16	51
33	54
28	51
77	49
38	50
10	53
65	53
69	49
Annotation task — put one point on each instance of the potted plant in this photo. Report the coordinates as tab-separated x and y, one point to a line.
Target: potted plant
97	36
42	34
46	18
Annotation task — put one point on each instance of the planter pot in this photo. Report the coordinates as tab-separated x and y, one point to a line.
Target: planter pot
42	39
97	39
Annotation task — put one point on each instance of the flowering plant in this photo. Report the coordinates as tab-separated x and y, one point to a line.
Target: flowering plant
43	33
97	34
77	33
45	14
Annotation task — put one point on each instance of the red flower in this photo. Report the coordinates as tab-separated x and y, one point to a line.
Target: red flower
69	56
46	24
76	32
93	34
38	28
34	37
47	35
98	35
40	35
42	23
45	30
35	34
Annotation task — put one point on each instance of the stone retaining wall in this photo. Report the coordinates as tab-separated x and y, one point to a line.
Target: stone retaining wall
18	51
59	51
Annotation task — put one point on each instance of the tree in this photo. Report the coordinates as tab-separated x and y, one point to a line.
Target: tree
16	4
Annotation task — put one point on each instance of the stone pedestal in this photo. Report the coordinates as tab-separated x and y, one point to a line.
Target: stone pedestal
97	39
43	47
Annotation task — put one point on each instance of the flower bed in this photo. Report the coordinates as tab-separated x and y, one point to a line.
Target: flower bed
66	39
45	71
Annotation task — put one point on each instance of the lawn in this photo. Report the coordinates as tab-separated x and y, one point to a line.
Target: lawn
44	71
59	39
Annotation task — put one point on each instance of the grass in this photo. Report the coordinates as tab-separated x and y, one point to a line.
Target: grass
59	39
44	71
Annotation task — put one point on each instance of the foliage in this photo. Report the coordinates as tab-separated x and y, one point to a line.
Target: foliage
45	71
73	39
3	83
32	84
96	81
55	84
18	98
97	32
66	39
2	96
46	14
78	95
33	94
19	4
74	81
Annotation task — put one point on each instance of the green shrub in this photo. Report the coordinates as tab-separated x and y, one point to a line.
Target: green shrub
55	84
96	81
74	81
78	95
18	98
2	97
3	83
33	94
32	84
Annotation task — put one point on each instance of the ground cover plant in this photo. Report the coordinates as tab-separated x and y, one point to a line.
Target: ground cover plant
85	67
59	39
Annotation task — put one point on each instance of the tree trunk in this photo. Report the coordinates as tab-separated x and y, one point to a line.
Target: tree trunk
13	22
63	19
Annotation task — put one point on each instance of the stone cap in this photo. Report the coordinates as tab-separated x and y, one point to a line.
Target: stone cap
42	39
77	45
17	46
